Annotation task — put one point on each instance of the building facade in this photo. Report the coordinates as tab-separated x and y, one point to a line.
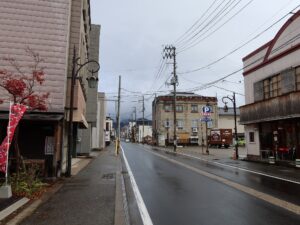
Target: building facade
272	86
226	120
87	138
189	112
101	118
53	29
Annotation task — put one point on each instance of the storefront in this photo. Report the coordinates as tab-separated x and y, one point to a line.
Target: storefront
280	139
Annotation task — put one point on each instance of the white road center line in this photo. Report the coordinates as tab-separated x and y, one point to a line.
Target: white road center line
140	202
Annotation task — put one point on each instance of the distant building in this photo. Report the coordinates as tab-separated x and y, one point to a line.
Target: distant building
101	119
226	120
189	111
272	86
144	131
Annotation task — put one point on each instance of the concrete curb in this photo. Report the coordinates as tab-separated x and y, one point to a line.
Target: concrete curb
121	205
12	208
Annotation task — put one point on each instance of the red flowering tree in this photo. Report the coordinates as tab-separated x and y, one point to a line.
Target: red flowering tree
21	84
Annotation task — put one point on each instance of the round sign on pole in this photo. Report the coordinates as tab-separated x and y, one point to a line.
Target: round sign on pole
206	109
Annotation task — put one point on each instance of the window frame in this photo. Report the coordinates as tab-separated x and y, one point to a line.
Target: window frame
194	106
251	137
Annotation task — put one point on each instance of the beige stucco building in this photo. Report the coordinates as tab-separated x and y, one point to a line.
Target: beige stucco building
189	108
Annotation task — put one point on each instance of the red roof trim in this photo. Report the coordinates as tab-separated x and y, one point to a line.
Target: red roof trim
282	29
279	56
257	51
270	46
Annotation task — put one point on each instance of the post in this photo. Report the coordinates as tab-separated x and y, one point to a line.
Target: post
207	151
174	103
143	119
118	119
170	52
70	124
235	128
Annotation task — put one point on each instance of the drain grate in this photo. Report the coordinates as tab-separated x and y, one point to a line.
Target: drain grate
108	176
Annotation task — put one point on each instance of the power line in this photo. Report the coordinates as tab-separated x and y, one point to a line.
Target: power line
210	24
215	30
192	81
203	22
239	47
178	39
255	61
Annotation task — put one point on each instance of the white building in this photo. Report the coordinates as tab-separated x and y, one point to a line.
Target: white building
272	95
144	131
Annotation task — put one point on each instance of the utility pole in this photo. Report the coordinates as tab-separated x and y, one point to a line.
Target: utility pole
170	52
118	119
143	119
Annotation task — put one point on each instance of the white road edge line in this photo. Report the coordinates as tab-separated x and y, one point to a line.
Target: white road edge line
140	202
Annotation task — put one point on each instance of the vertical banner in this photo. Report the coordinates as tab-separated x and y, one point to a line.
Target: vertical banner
16	112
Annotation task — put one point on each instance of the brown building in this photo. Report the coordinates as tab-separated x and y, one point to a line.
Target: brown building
189	108
272	86
52	29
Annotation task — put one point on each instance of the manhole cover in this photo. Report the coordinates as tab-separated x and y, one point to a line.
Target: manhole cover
108	176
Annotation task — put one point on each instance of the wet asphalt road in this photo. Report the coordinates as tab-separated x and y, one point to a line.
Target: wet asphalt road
178	196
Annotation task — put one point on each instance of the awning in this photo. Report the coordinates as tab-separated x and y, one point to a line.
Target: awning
35	116
83	123
79	118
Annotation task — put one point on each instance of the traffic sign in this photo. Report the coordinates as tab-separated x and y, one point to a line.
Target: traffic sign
206	109
206	119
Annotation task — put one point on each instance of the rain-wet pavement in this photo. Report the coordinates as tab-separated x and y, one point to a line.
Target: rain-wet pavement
85	199
176	195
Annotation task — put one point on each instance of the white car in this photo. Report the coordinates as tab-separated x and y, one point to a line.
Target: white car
126	140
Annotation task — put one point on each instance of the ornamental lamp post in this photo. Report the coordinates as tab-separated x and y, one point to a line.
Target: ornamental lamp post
92	82
232	99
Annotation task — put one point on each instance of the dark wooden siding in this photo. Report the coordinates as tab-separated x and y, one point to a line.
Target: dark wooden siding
283	107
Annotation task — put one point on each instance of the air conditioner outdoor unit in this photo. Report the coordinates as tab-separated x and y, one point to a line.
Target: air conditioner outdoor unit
195	129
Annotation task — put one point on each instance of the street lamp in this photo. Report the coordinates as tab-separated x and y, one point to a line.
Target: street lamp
92	82
232	99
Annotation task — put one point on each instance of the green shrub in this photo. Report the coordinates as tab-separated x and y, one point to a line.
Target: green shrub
27	183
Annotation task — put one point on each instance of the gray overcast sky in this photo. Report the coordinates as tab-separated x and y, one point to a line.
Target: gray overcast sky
134	32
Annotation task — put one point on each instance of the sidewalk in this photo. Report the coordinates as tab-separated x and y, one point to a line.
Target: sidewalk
225	157
91	191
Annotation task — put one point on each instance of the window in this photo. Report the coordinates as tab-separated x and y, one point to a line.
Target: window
179	108
298	78
272	87
251	137
194	108
168	108
194	123
180	124
167	123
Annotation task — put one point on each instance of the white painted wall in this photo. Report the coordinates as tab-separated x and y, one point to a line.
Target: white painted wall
252	148
147	131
